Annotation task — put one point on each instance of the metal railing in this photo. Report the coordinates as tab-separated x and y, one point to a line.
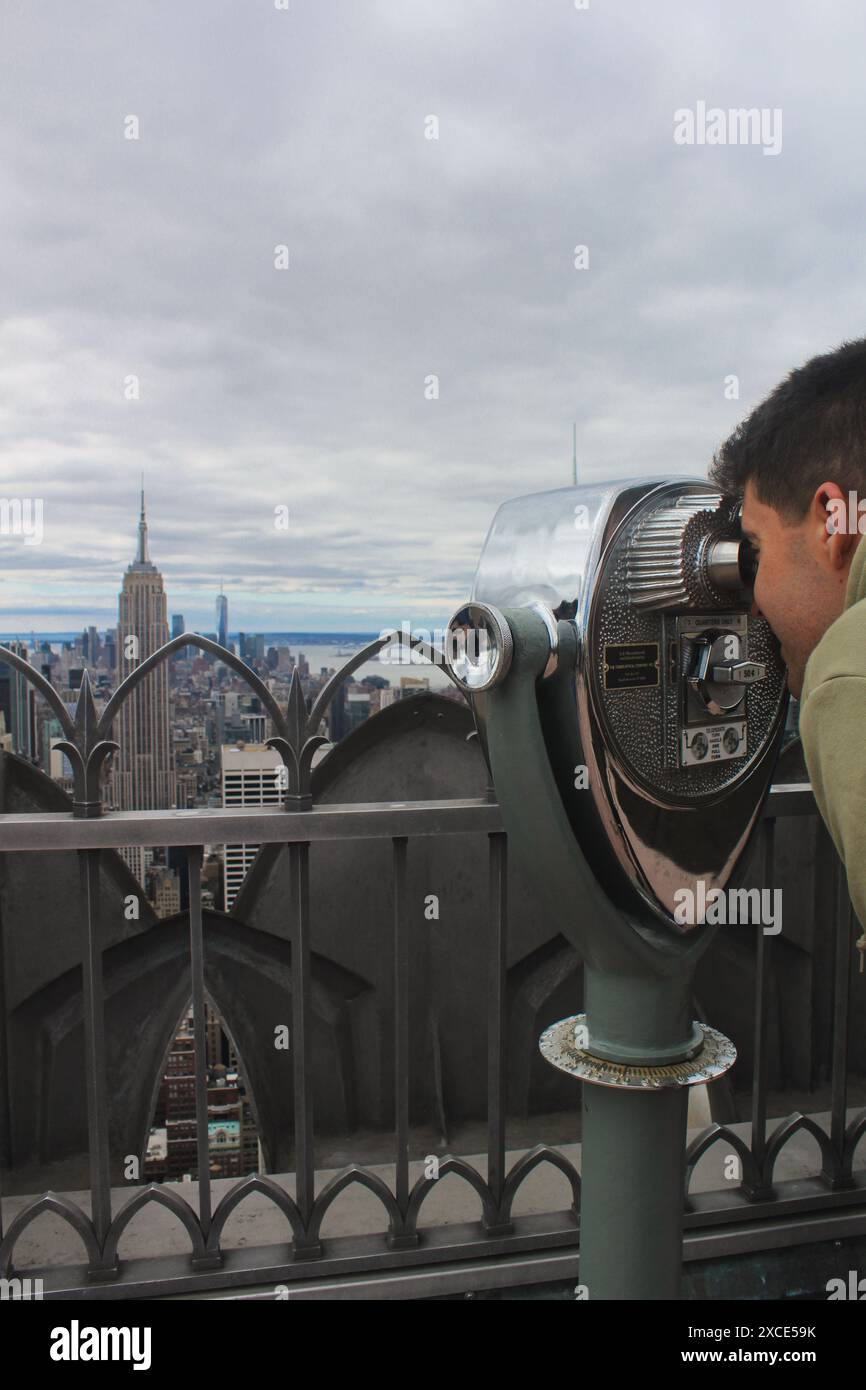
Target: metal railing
403	1257
831	1202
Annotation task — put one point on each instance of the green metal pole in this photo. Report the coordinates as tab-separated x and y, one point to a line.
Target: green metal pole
633	1159
638	1032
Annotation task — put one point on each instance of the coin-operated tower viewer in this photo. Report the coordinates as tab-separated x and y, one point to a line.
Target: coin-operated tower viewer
630	709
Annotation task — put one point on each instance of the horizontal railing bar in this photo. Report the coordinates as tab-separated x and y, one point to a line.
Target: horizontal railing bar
749	1229
791	1197
498	1272
60	830
162	1275
776	1233
790	799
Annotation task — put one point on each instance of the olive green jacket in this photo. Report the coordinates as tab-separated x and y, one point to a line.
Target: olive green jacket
832	725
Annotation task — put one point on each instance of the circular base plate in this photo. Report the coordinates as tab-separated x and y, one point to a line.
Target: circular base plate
558	1047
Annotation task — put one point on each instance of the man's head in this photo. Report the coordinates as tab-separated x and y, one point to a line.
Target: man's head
794	461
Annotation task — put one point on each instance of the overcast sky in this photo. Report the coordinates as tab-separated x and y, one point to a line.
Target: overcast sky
409	257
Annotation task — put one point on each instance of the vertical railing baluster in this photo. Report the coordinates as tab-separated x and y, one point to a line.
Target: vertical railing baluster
762	1009
94	1051
497	1073
305	1174
5	1118
194	854
842	948
401	1022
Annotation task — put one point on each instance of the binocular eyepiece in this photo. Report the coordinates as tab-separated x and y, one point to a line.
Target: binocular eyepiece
732	563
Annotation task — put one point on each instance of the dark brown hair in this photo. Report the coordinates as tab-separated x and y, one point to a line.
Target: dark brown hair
810	429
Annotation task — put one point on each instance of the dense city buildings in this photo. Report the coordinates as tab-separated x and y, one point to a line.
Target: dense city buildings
18	706
251	776
233	1143
165	891
192	734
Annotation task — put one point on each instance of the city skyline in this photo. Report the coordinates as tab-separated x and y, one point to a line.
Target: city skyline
198	623
219	627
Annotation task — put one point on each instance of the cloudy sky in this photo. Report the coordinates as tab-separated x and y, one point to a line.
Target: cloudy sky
409	257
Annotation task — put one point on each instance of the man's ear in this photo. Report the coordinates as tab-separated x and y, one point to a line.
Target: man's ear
834	516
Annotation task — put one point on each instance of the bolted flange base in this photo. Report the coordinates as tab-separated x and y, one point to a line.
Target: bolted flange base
560	1048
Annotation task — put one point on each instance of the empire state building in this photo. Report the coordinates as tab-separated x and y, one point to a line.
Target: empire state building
145	778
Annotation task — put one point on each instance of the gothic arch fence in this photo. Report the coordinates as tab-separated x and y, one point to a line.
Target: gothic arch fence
133	982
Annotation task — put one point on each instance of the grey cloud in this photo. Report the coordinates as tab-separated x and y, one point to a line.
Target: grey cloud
408	257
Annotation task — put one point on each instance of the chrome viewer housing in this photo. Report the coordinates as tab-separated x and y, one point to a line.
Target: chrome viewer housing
679	693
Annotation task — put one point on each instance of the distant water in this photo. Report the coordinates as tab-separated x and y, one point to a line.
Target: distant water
329	649
327	655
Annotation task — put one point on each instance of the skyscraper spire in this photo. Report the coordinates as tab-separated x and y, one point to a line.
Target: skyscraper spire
142	558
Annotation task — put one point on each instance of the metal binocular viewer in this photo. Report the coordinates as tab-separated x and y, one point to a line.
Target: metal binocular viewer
630	709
